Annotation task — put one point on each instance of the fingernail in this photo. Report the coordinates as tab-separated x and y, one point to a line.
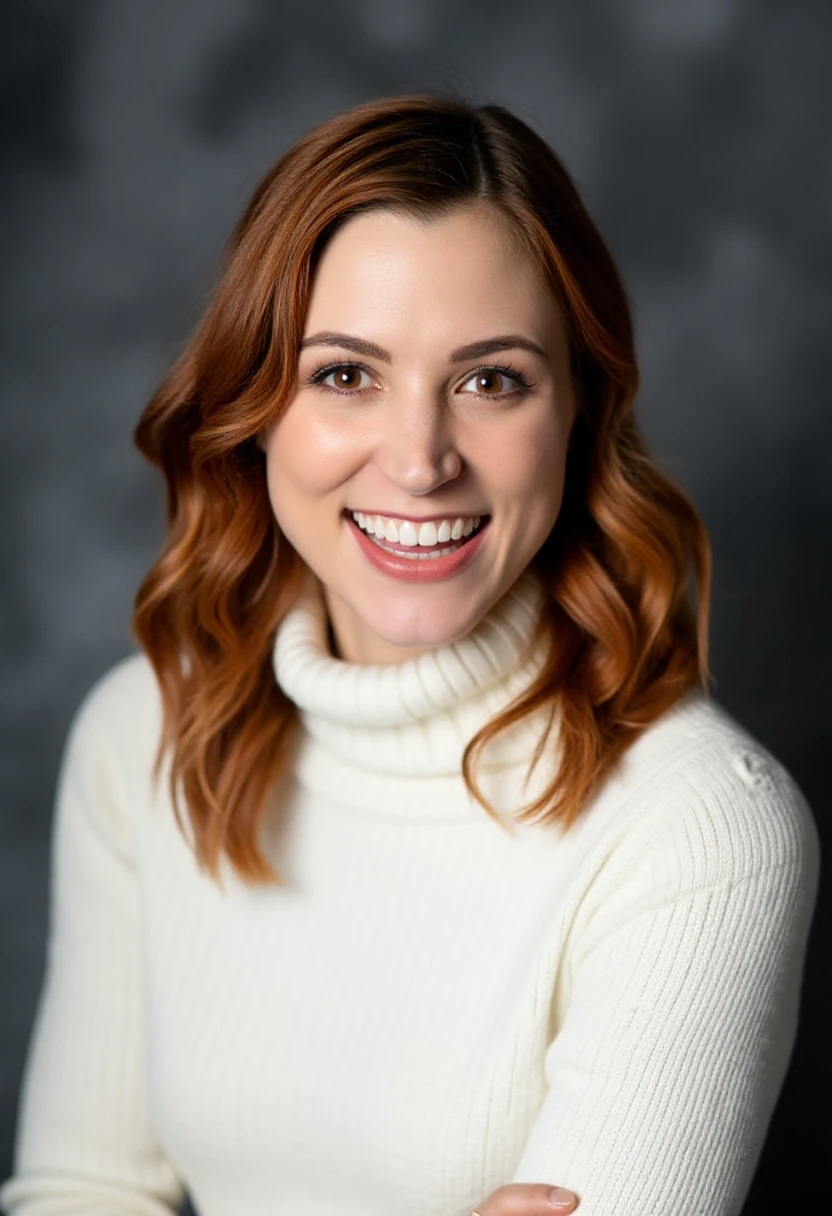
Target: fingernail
561	1198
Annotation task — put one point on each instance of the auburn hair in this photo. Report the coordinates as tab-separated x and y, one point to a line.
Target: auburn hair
627	629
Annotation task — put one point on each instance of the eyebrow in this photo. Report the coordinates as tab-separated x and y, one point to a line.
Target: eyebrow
474	350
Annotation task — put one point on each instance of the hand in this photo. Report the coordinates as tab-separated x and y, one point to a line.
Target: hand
528	1199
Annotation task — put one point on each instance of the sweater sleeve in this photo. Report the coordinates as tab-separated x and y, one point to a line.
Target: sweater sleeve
683	975
85	1139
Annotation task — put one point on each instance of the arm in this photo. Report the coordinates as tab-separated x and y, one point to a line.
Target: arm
685	967
85	1139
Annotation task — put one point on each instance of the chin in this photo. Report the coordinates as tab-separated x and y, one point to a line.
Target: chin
432	631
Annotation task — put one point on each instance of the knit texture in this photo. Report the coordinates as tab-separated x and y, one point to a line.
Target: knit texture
433	1003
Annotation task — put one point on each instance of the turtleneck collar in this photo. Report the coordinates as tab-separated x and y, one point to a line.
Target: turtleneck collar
411	719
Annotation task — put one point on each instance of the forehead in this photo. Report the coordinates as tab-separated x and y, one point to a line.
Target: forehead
458	273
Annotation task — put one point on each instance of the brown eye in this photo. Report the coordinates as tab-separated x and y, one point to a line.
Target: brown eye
347	378
490	383
342	378
494	382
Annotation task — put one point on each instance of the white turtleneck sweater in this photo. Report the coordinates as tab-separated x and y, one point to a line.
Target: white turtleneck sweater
431	1005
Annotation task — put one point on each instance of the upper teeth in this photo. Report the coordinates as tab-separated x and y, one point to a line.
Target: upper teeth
407	533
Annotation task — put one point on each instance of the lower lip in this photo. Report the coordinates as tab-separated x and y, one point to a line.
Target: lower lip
415	570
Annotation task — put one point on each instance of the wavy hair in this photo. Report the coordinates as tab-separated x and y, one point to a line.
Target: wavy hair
627	630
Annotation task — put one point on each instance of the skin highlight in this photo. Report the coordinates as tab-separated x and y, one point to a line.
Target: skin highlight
433	383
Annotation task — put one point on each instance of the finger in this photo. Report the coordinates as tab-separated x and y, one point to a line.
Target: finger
528	1199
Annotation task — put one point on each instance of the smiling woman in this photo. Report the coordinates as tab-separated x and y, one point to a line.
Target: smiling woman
423	437
411	865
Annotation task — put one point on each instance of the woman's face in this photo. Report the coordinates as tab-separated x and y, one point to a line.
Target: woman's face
434	397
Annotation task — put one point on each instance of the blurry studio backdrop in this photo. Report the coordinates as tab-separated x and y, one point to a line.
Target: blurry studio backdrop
132	134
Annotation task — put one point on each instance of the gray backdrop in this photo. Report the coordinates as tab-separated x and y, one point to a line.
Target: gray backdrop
133	131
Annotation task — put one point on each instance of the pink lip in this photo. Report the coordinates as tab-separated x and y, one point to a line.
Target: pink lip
416	519
408	570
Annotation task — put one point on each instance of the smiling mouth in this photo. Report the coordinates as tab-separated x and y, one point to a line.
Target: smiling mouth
418	541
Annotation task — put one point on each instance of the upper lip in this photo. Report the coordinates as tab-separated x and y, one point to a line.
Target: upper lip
420	519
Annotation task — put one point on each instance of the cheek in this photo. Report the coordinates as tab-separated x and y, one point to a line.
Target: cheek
307	459
529	463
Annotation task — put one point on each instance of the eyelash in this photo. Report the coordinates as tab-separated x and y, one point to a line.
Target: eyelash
524	385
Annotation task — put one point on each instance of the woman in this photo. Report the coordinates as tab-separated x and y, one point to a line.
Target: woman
452	884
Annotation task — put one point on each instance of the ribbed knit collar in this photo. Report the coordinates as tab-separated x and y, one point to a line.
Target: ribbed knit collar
410	719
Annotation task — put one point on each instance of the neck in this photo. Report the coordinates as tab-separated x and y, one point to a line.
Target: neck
351	641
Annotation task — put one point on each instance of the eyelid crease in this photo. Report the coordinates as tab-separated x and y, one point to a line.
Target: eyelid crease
325	368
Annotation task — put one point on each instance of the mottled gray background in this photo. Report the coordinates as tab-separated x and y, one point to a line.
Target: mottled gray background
132	132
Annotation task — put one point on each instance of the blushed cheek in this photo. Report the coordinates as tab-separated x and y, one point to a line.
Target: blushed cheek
531	466
309	458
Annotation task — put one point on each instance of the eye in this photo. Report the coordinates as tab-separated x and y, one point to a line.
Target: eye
496	382
343	378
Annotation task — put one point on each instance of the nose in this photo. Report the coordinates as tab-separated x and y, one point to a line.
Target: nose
417	448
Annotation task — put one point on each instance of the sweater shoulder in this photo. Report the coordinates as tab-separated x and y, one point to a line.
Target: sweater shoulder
710	788
108	760
120	716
